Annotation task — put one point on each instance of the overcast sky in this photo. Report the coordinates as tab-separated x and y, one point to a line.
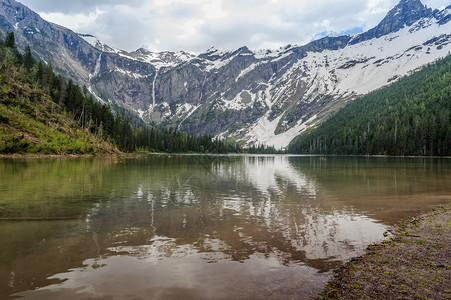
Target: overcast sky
196	25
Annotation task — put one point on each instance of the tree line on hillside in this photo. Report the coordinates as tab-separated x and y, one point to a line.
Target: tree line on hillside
410	117
99	119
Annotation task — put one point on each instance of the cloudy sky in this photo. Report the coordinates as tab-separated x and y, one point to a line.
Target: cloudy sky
196	25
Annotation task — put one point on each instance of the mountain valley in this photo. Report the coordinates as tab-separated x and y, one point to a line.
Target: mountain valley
258	97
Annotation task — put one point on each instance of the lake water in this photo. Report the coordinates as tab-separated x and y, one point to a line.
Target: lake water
199	227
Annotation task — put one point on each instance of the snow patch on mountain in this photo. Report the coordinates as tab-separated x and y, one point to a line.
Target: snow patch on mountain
264	132
219	63
247	70
129	73
241	101
161	59
188	110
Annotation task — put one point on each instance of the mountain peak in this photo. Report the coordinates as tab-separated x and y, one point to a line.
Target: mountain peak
405	13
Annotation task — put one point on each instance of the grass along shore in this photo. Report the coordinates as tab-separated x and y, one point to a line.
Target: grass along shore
414	264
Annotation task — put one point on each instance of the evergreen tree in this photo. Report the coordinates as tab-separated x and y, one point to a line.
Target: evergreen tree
10	40
40	73
48	74
28	59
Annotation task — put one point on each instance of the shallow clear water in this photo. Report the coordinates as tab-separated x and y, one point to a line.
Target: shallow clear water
199	227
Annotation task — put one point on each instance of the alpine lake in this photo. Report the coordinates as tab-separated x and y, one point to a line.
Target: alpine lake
200	226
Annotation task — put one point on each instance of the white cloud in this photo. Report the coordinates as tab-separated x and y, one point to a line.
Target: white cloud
196	25
73	21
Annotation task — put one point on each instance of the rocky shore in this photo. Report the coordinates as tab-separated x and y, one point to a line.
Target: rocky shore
414	264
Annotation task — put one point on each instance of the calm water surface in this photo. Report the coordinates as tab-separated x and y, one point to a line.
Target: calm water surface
199	227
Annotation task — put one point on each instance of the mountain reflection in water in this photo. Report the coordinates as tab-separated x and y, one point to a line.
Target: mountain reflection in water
205	226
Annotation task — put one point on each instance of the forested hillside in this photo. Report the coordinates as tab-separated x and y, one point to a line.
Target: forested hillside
409	117
41	112
34	106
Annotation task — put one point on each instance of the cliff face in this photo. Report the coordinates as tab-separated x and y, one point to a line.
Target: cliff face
258	96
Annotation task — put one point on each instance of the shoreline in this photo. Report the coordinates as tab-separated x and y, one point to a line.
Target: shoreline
414	263
141	154
68	156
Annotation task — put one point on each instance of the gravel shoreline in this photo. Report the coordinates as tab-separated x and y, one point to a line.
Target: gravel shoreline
414	264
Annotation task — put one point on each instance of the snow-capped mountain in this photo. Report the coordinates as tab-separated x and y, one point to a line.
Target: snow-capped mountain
264	96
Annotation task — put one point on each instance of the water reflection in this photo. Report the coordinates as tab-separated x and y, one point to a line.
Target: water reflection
201	227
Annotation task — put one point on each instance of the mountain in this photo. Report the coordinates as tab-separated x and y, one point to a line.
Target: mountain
43	113
409	117
264	96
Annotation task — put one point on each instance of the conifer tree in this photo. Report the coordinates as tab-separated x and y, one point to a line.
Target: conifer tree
40	72
48	74
10	40
28	59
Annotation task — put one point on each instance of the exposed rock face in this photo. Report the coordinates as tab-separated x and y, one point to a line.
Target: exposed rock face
261	96
406	13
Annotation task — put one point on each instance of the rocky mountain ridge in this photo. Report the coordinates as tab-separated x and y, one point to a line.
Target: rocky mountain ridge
265	96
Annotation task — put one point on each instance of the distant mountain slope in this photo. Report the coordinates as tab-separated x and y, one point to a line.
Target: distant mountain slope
409	117
265	96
